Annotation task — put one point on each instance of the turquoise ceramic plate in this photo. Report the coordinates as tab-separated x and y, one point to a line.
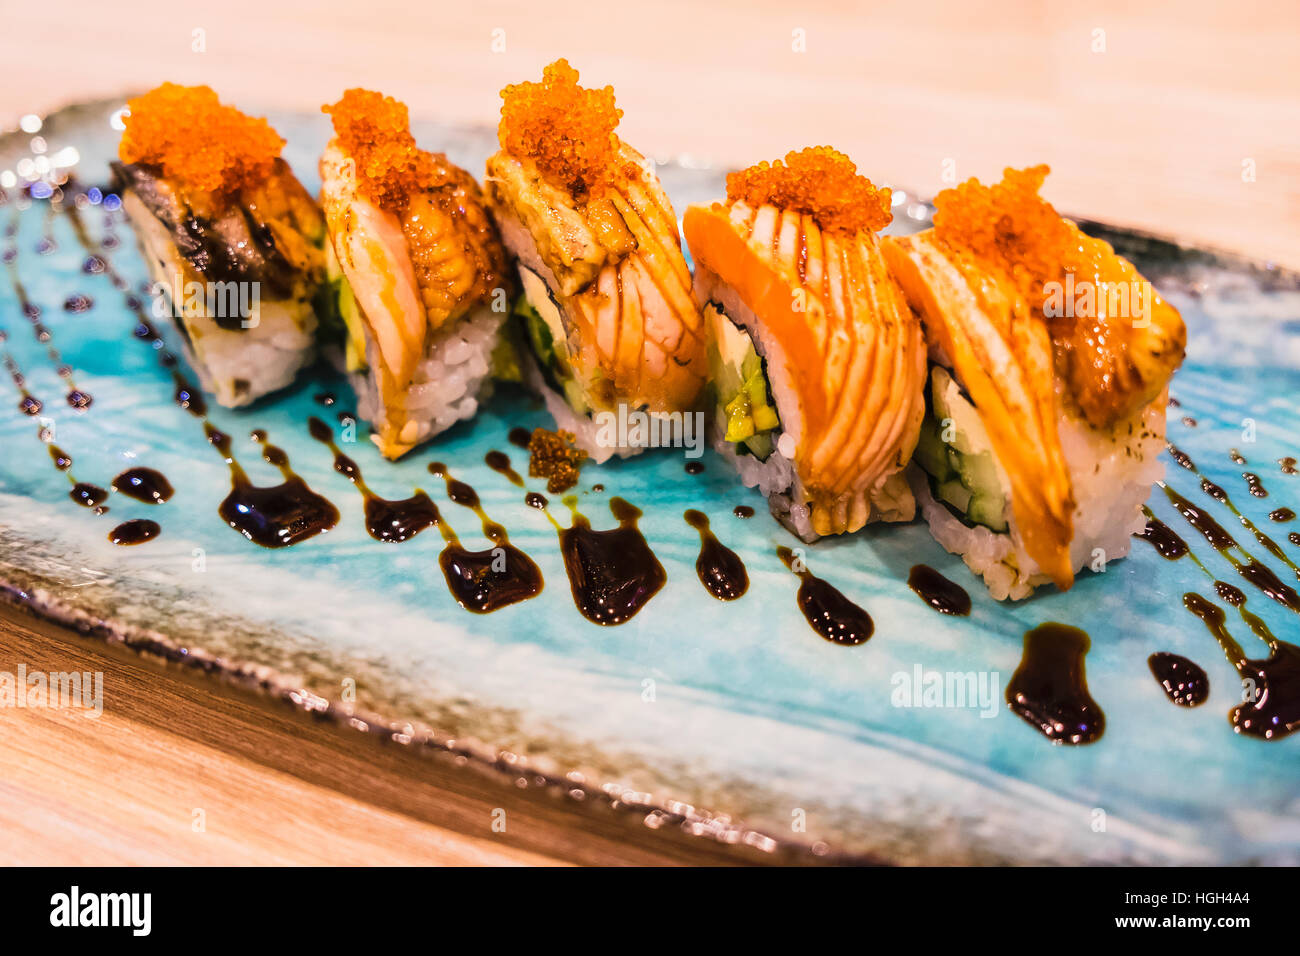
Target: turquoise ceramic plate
733	720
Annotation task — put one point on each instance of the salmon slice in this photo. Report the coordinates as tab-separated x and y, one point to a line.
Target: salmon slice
415	243
374	256
585	212
1003	357
839	331
1038	321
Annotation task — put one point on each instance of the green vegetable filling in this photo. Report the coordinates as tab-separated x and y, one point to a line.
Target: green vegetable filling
740	387
953	449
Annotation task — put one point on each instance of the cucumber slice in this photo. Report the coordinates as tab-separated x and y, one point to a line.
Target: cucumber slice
760	445
988	510
955	493
963	472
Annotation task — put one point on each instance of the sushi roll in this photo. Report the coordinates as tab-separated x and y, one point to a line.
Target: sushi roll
607	313
417	274
817	365
1051	359
233	242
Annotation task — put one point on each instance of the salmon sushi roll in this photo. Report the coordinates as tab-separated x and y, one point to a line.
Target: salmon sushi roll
607	314
417	274
817	365
233	242
1051	360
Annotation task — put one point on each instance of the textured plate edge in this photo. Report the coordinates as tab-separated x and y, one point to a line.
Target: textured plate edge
505	767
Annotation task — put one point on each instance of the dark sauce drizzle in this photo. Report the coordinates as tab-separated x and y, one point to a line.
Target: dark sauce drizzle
1258	574
387	520
1254	484
28	403
135	531
743	511
76	398
499	462
1184	681
1281	515
519	437
487	580
1275	710
721	570
83	493
143	484
276	516
612	573
946	597
1050	689
1218	538
825	608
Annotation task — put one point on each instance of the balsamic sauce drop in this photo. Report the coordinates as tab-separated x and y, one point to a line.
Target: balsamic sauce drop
1254	484
1050	688
276	516
520	437
694	467
89	496
612	573
62	460
721	570
743	511
487	580
143	484
135	531
1260	575
1161	537
1275	710
387	520
1288	465
1281	515
499	462
1185	682
946	597
827	611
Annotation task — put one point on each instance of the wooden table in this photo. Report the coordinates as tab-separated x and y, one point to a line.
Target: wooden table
1183	119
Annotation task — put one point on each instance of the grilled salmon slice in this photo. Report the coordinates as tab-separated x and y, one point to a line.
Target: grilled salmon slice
845	355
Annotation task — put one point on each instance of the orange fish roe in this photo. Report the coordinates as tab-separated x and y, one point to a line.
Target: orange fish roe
375	130
1008	225
566	129
820	182
196	141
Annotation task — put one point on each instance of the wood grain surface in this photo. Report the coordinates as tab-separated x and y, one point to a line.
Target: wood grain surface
1180	118
181	769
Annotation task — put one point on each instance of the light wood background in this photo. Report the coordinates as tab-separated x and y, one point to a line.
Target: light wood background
1180	118
1147	112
